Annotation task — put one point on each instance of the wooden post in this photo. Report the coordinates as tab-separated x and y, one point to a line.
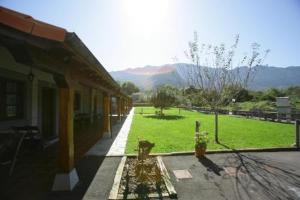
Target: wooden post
297	132
127	106
106	115
92	94
66	144
216	128
119	109
197	127
123	107
67	178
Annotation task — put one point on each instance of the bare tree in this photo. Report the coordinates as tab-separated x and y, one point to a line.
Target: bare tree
215	68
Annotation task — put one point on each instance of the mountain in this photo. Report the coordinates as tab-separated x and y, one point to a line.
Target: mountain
149	77
278	77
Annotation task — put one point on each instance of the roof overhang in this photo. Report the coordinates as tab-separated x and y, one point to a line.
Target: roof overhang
26	30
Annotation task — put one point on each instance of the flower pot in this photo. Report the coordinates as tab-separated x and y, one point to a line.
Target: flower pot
200	150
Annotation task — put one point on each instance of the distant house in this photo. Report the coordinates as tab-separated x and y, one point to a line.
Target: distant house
283	107
50	80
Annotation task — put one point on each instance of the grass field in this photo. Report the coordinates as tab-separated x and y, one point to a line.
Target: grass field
175	132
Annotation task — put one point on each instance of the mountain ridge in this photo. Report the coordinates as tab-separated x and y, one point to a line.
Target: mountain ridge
148	77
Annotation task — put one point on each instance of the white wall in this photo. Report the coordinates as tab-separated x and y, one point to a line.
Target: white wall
87	96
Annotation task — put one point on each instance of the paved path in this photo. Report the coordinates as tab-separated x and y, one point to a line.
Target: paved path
233	176
264	176
116	145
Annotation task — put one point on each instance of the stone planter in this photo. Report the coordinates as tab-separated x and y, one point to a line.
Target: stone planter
127	184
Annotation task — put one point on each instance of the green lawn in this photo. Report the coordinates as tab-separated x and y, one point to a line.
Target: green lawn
175	132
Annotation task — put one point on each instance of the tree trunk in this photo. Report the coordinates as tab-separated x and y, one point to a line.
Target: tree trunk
161	111
216	127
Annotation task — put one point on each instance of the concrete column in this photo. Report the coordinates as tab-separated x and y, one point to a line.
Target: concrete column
67	177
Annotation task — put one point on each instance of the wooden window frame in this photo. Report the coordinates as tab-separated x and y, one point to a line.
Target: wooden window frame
19	99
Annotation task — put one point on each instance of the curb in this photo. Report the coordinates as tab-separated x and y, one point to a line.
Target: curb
224	151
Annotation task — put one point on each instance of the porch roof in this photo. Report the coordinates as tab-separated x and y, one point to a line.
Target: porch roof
59	39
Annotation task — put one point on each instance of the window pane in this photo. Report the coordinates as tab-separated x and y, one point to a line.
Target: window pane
11	111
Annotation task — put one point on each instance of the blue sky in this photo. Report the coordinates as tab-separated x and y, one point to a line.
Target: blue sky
134	33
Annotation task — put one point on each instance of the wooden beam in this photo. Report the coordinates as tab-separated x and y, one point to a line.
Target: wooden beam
82	77
166	177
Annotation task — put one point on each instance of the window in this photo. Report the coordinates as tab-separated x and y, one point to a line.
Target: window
11	99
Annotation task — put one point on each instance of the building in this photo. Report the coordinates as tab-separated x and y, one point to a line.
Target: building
284	108
49	79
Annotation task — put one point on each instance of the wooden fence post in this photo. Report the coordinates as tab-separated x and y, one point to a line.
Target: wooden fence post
297	132
197	126
216	128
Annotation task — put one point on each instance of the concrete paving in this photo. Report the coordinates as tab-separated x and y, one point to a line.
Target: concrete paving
103	180
273	175
116	144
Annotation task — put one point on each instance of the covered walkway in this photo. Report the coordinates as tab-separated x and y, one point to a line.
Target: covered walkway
52	82
116	144
34	173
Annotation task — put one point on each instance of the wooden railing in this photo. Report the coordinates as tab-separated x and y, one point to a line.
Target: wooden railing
266	115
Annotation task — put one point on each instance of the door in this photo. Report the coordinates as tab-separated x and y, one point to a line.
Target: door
48	113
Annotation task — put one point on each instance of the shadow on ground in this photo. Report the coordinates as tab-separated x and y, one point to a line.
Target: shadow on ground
210	165
273	180
143	192
263	175
34	173
33	177
165	117
86	169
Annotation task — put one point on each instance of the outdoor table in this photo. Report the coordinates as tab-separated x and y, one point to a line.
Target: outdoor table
6	140
23	132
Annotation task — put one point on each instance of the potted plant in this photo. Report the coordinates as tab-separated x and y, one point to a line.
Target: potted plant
201	140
